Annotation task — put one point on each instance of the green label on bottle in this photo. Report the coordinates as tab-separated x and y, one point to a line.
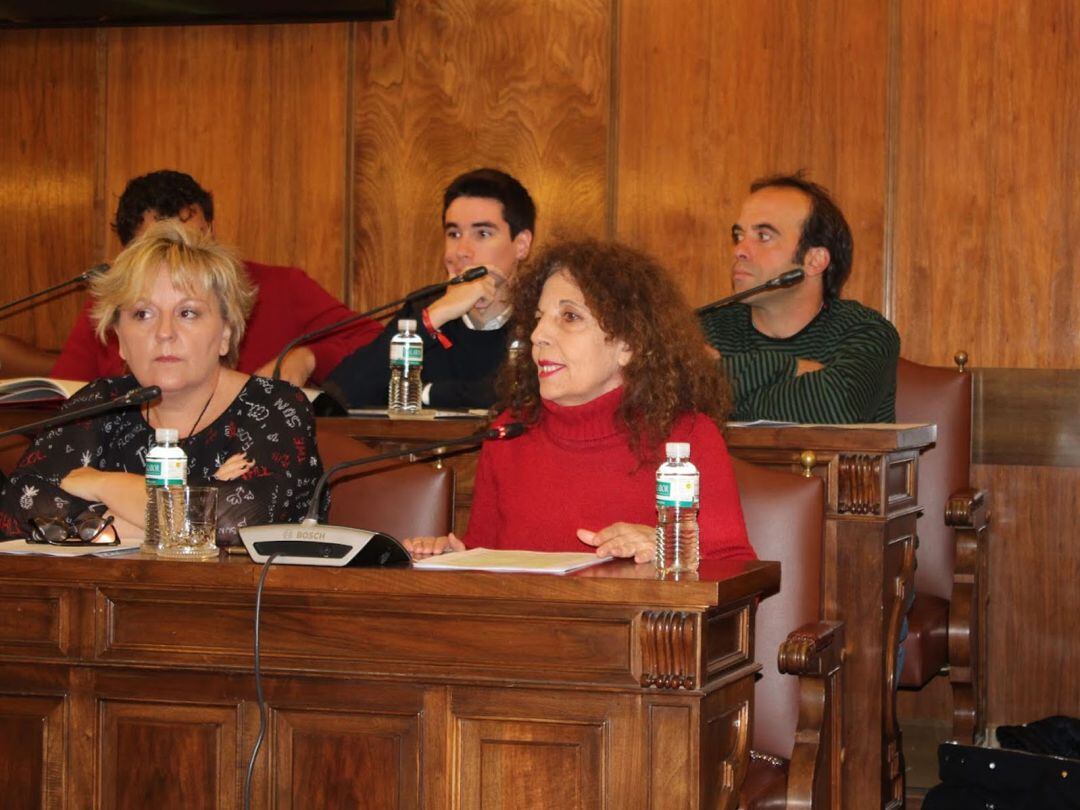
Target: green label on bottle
406	355
166	472
680	491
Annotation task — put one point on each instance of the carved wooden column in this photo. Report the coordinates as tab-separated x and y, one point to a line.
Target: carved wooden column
871	481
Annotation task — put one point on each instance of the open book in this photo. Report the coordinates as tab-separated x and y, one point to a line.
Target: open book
37	389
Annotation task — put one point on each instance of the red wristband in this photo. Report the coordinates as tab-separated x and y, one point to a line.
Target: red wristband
444	341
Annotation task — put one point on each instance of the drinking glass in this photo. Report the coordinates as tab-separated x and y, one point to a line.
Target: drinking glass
187	517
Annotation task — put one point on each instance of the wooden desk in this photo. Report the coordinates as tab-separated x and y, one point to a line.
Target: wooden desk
127	683
871	494
871	485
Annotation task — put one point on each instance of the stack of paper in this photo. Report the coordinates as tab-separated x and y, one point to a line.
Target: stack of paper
529	562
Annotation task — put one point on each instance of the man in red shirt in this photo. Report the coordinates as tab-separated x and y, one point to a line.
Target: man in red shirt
289	303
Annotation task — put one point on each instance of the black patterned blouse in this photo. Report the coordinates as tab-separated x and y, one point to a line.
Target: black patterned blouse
272	422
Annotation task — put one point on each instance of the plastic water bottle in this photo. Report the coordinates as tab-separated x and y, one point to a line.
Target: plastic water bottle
406	361
166	466
677	488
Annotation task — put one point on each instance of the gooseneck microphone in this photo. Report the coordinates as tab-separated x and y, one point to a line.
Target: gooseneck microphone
312	543
128	400
472	274
82	278
787	279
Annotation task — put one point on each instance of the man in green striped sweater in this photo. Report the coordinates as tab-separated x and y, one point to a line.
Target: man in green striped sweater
801	354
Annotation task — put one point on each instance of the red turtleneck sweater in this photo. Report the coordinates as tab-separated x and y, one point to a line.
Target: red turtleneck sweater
574	470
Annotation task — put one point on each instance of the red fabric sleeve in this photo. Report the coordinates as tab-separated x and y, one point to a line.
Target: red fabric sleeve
84	357
483	515
290	304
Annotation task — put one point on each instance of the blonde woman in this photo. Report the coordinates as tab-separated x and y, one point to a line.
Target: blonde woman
177	302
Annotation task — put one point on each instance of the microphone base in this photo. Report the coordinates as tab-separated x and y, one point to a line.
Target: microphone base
329	546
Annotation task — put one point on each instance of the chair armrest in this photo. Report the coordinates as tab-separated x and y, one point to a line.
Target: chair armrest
967	509
967	513
815	653
813	650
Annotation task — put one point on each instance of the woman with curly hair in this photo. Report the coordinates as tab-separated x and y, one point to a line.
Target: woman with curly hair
618	367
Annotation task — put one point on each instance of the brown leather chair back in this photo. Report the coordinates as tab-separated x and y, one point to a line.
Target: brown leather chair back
941	396
785	520
399	499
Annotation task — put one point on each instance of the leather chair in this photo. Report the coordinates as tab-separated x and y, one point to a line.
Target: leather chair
396	498
947	620
795	759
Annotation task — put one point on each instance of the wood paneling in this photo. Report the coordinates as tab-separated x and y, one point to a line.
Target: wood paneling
327	146
193	762
327	760
1034	601
1006	433
452	86
713	95
986	243
257	114
48	151
33	729
414	727
987	218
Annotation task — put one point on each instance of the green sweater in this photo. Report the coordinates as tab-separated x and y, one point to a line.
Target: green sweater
856	345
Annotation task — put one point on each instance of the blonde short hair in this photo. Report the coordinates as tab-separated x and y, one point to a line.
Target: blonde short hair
196	264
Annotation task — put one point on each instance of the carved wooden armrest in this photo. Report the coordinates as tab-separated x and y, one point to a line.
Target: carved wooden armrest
813	650
967	509
967	513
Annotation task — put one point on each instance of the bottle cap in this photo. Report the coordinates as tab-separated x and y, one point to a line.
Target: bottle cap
406	325
678	449
167	435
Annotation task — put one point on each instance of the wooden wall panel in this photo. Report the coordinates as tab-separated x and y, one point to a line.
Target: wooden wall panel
1034	600
257	114
455	85
49	94
327	146
987	222
713	95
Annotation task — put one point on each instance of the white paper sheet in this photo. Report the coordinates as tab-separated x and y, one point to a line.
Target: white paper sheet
505	561
22	547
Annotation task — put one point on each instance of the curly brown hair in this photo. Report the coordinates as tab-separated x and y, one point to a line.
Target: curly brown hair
636	301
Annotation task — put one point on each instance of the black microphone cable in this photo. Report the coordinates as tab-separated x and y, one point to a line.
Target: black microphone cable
264	715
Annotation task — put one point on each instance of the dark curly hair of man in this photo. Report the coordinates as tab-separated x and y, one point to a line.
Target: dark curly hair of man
636	301
167	192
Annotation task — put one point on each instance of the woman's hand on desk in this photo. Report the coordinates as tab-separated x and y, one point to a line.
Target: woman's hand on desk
623	540
421	547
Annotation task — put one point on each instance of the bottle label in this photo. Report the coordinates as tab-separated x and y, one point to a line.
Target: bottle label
166	472
681	491
406	354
